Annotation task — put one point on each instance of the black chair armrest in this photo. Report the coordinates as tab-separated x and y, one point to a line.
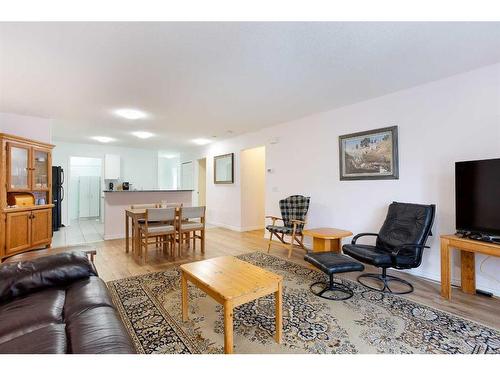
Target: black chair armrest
396	250
355	238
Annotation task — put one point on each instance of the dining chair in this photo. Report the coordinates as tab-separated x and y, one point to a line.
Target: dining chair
169	205
140	221
160	224
189	228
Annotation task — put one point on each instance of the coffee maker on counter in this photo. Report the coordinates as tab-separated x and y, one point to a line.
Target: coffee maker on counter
125	186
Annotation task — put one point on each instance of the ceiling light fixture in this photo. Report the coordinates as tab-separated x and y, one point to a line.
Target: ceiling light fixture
143	135
201	141
102	139
130	114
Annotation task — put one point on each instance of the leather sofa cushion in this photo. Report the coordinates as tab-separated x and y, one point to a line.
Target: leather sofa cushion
50	339
21	278
86	294
31	312
98	331
375	256
331	263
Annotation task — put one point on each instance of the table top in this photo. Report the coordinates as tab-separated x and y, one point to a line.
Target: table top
327	233
142	211
232	278
470	241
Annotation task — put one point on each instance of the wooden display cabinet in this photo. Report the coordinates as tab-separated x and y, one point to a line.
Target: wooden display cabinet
26	166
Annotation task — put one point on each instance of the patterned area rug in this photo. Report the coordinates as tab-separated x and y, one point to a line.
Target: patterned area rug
370	322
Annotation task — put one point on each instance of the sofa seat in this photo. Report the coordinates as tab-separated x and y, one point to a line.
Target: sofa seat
59	310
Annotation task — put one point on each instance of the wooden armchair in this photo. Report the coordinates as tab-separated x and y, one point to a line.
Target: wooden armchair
293	215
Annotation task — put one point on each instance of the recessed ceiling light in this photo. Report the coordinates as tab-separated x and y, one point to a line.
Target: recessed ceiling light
143	135
168	156
130	114
201	141
103	139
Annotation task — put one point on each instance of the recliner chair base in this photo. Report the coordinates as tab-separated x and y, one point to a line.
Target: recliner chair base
385	279
332	287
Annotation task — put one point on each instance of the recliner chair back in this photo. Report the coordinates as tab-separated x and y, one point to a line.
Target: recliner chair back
294	207
407	223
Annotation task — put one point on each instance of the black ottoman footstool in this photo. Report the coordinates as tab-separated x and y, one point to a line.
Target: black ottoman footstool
332	263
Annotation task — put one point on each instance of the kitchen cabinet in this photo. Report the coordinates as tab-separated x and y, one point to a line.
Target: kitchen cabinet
112	167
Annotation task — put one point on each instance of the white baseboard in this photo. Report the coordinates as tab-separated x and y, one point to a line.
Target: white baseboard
247	229
235	228
230	227
113	236
454	281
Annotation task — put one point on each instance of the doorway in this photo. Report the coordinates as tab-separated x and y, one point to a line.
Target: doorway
85	211
253	188
202	182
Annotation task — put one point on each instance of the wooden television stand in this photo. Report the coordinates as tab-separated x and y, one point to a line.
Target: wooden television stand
467	248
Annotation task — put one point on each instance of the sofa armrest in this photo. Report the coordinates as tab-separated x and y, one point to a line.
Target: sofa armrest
21	278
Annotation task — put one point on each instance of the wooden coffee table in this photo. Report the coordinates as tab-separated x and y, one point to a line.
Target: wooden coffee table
327	239
232	282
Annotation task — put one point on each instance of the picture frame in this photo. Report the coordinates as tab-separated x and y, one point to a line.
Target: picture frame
224	169
369	155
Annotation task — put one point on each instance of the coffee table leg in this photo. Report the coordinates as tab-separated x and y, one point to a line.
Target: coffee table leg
279	313
228	328
184	297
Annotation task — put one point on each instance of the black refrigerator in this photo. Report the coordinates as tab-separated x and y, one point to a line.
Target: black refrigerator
57	197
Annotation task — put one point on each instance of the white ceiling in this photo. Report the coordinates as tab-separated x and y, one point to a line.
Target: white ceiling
203	79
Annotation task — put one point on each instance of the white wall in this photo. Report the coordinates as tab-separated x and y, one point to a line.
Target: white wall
138	166
253	188
35	128
453	119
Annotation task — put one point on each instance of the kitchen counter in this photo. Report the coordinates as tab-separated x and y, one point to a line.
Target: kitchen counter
117	201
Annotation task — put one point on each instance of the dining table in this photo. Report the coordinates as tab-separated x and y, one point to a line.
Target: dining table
134	215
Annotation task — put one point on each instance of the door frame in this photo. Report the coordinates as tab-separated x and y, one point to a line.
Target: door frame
198	174
67	181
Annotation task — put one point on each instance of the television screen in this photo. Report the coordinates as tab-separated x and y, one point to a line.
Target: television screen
477	197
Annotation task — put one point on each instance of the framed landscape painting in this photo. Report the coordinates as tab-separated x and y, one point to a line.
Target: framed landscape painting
369	155
224	169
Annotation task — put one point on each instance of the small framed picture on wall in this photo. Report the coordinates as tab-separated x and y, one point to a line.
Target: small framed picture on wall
224	169
369	155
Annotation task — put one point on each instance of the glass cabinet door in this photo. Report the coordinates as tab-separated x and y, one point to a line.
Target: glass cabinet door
41	169
18	168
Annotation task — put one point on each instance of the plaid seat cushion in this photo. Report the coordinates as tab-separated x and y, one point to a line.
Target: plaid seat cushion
279	229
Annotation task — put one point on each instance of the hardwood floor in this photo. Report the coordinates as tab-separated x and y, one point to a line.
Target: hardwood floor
113	263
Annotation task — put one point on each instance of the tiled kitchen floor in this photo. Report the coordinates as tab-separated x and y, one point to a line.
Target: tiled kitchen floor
79	232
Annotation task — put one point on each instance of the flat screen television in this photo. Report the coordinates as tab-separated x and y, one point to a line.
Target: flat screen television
477	196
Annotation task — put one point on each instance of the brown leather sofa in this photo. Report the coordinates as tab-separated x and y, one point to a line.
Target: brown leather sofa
58	304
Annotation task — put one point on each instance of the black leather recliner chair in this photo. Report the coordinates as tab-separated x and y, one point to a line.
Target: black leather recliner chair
400	244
